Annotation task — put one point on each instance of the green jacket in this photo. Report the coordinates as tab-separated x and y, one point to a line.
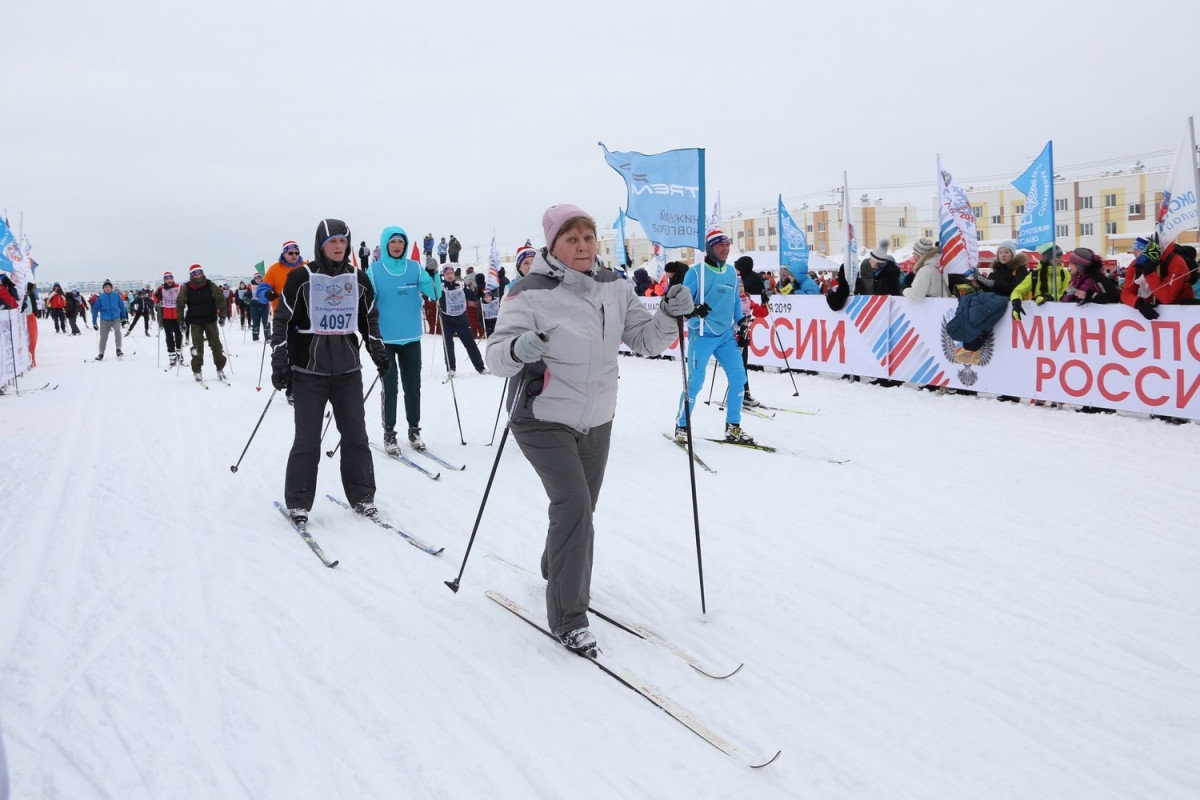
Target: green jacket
1043	283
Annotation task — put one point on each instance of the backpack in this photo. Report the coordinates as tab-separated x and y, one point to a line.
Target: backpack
1188	254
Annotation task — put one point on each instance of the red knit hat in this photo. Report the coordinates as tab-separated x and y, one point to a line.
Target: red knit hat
716	236
524	252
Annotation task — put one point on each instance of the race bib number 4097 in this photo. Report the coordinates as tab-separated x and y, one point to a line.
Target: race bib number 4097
332	304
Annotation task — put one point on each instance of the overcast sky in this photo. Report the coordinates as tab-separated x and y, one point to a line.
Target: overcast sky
151	135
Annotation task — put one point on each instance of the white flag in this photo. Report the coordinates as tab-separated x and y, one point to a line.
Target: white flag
714	221
956	225
850	237
493	273
1178	212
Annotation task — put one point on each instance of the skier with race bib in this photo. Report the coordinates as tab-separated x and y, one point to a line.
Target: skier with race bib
453	305
324	308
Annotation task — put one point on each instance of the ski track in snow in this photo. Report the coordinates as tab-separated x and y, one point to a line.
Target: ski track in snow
989	600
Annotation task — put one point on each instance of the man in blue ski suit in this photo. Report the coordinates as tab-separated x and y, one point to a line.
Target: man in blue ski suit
714	284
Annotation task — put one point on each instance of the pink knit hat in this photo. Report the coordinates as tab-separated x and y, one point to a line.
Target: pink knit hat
555	216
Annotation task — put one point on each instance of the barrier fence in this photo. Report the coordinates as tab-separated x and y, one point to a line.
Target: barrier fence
1107	356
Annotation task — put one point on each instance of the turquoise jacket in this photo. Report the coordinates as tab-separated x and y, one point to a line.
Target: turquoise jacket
399	284
721	294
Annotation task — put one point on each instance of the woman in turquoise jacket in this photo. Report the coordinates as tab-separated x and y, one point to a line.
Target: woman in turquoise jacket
399	283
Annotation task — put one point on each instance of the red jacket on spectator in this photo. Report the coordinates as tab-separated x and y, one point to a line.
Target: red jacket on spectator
1169	283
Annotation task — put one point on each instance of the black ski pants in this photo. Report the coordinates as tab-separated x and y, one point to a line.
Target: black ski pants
458	326
406	371
345	394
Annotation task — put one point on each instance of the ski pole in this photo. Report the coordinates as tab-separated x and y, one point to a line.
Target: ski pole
446	354
711	384
228	354
478	517
234	468
779	342
500	407
261	362
687	419
329	453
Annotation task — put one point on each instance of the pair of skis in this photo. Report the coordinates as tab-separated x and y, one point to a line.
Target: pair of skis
761	409
631	681
46	388
302	529
406	461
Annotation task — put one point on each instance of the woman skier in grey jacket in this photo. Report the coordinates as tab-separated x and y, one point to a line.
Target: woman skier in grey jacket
557	338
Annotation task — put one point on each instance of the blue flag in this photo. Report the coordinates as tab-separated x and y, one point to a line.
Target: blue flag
793	244
619	225
1037	183
10	251
665	193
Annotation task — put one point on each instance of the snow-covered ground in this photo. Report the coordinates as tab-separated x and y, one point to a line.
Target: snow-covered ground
989	600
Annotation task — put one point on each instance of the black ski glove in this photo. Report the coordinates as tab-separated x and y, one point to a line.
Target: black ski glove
1018	312
279	379
700	311
1146	308
383	364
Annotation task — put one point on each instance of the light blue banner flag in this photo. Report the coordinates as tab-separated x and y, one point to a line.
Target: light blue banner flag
1037	183
10	251
619	250
665	194
793	244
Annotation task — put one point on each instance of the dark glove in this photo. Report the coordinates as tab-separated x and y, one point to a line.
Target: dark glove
700	311
279	379
432	271
742	332
1018	312
222	321
383	365
272	295
1146	307
95	327
1039	300
124	320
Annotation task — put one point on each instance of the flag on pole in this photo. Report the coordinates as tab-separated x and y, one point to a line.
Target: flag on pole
714	219
619	251
850	238
1037	184
33	265
957	231
10	251
1177	211
493	273
416	256
793	244
665	192
261	268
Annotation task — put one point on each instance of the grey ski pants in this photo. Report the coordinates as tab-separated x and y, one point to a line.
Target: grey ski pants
107	325
571	466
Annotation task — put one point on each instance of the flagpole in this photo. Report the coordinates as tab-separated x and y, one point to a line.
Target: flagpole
1195	174
703	244
1053	208
846	227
